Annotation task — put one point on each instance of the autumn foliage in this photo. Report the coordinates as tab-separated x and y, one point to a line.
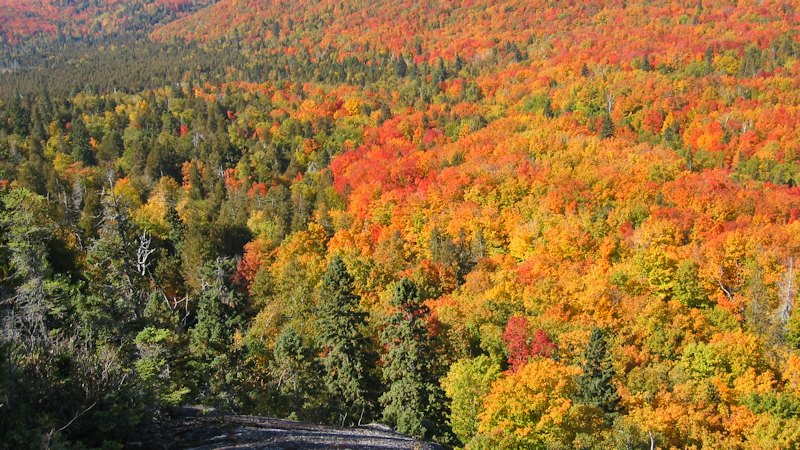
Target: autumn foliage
533	171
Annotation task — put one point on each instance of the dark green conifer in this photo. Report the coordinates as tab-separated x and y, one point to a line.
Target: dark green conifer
414	401
298	391
347	361
646	66
400	67
547	110
607	128
219	315
79	143
595	383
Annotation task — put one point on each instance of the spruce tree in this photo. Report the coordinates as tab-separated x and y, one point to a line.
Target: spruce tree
111	147
547	110
79	142
20	117
607	128
24	236
595	386
219	315
119	290
400	67
414	401
347	360
646	66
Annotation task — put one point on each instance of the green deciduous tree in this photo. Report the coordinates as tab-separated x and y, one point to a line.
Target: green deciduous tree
466	384
297	392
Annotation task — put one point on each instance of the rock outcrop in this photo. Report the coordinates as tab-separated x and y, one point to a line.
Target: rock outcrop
193	429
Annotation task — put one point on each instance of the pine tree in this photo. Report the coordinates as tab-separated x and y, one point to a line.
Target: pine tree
414	400
347	361
595	383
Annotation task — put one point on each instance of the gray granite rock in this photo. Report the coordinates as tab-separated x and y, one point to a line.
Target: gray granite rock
190	428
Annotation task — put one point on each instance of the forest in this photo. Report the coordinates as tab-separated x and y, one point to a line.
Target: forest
492	224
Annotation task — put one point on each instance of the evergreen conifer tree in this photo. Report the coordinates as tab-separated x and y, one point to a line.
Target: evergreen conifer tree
79	141
219	315
298	392
347	360
414	401
400	67
607	128
646	65
595	383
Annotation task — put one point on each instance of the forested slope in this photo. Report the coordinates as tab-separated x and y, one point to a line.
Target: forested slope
23	20
492	224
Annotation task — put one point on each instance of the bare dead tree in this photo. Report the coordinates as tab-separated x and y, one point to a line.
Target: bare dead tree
143	253
727	290
609	102
787	293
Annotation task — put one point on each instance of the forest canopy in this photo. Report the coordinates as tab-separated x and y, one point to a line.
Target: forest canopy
497	224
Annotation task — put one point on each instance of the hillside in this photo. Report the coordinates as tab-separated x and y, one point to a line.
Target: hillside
499	224
23	20
593	31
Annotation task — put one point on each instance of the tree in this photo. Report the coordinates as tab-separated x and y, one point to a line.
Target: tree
347	360
530	408
467	384
25	304
53	382
20	117
400	67
156	348
110	147
414	401
595	383
79	142
646	65
521	346
607	127
516	339
547	110
542	346
219	315
117	262
688	289
298	392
